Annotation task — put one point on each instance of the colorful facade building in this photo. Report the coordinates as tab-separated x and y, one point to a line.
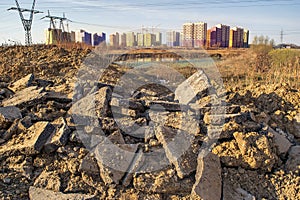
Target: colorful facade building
215	37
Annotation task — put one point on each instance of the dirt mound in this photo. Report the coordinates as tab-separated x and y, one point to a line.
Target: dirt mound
91	140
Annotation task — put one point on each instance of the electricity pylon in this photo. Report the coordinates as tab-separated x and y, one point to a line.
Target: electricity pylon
27	23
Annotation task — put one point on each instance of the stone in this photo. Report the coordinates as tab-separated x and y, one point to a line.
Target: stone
102	99
129	104
165	106
208	183
181	149
41	194
190	88
27	97
59	137
293	162
22	83
8	115
32	142
216	119
89	165
281	142
12	130
114	160
164	181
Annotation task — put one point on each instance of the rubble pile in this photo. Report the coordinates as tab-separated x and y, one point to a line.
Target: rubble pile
98	143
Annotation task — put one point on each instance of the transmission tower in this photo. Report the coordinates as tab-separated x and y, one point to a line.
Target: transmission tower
27	23
281	36
52	25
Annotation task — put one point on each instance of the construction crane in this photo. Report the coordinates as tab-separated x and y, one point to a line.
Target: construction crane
27	23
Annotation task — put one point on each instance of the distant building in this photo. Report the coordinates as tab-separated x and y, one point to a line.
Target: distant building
130	39
173	39
98	39
84	37
236	38
200	33
225	34
56	36
215	37
246	38
188	35
149	40
114	40
158	39
140	39
208	38
123	41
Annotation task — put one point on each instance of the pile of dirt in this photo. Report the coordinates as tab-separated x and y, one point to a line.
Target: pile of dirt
90	138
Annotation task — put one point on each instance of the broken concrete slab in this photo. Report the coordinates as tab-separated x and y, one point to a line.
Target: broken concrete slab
181	149
22	83
126	103
280	142
187	91
165	106
8	115
114	160
27	97
293	162
89	165
13	129
32	142
59	137
208	183
41	194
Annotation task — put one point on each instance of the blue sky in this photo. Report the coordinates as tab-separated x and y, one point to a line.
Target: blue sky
261	17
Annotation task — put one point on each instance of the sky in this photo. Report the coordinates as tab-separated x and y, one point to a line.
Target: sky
261	17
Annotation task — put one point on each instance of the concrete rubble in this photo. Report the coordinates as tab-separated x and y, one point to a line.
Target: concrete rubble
62	138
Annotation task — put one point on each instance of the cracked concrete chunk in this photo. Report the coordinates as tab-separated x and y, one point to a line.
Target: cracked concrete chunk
293	162
27	97
8	115
181	149
31	142
59	137
22	83
114	160
208	183
194	85
280	142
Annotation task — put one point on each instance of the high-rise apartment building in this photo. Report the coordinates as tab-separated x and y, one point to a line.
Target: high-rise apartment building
149	40
140	39
114	40
246	38
123	40
173	39
188	35
98	39
215	37
130	39
236	39
208	38
200	33
83	37
158	39
225	32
